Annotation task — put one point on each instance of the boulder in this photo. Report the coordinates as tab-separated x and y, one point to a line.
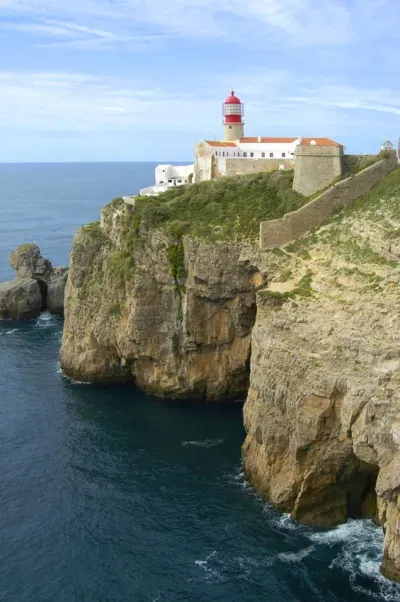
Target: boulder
28	262
55	291
20	299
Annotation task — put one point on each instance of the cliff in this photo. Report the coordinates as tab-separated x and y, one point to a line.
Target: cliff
174	293
323	409
163	291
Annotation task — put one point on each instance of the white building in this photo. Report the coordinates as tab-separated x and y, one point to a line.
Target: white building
234	155
169	176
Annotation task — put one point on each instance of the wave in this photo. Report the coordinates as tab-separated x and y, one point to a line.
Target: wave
11	331
360	556
295	556
204	443
59	371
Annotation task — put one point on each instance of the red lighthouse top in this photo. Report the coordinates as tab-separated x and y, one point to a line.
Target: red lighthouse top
232	99
232	109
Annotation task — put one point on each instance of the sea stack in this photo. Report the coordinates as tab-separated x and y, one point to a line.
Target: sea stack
37	285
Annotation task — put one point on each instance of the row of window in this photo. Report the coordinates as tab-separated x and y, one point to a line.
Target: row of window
171	181
244	154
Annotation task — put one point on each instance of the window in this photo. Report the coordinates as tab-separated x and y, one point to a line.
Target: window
230	127
251	154
263	155
244	154
283	154
271	154
170	181
179	181
223	154
161	181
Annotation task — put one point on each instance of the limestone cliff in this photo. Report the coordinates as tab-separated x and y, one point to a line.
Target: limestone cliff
169	311
178	308
323	409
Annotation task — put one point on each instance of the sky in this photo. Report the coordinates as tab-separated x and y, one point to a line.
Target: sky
143	80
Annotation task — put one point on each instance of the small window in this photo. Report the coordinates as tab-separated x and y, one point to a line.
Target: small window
230	127
251	154
170	181
271	154
283	154
244	154
161	181
263	155
179	181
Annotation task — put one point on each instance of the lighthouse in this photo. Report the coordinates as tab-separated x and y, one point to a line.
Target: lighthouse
233	111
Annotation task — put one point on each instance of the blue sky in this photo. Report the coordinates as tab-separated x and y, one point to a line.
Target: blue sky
114	80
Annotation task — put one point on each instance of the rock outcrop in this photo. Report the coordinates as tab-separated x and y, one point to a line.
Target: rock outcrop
20	299
37	287
173	313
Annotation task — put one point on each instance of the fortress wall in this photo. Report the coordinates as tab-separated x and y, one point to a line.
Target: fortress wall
278	232
223	167
316	167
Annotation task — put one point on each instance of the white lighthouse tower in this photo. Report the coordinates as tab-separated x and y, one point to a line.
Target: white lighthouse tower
233	111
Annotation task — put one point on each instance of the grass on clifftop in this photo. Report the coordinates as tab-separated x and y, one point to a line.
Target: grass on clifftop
228	208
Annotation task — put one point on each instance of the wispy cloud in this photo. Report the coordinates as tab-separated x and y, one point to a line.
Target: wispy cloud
301	21
350	98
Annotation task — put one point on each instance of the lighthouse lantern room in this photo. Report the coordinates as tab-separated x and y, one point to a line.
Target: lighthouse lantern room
233	111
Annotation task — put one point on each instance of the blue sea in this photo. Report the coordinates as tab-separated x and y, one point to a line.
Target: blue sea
108	495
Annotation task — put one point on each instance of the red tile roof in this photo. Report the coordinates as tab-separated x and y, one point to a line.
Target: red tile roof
320	141
263	140
217	143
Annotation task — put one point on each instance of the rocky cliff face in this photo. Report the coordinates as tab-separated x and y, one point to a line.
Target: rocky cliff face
179	314
171	312
323	409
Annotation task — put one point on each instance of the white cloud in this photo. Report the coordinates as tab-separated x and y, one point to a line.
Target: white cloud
348	97
306	22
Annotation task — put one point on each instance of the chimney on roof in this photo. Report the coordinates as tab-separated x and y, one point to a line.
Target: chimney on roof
259	139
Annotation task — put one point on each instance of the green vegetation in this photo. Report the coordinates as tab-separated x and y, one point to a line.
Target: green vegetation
303	289
93	231
176	260
114	310
353	164
120	263
285	276
117	202
224	209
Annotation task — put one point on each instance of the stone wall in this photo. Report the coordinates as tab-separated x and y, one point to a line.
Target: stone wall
278	232
223	167
202	162
316	167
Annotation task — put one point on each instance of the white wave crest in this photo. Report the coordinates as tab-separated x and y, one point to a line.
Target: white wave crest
205	443
360	556
295	556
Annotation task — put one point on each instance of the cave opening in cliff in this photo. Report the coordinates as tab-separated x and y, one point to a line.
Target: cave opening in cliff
43	293
361	496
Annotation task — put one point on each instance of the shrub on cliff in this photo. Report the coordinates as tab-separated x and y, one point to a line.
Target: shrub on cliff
228	208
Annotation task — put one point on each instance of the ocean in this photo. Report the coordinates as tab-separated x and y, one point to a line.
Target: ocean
108	495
